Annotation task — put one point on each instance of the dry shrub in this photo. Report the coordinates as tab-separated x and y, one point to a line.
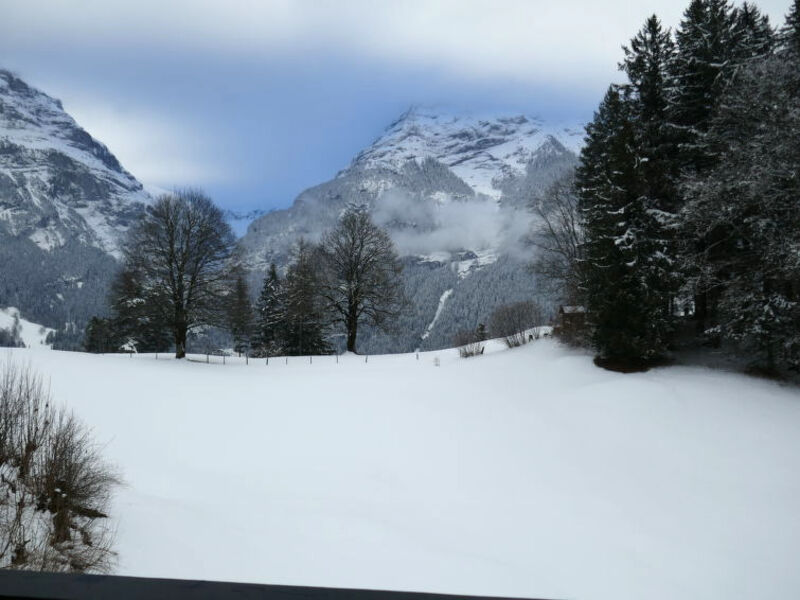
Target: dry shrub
468	343
512	322
55	487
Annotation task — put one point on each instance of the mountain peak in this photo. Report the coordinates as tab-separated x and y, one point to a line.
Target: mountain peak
61	184
481	150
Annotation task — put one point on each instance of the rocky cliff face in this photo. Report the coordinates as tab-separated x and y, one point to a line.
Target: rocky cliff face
65	203
454	192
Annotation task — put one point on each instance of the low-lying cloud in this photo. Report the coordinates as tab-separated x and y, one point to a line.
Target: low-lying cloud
421	226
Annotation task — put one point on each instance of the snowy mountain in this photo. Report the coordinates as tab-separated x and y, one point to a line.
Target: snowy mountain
485	153
453	191
65	202
57	182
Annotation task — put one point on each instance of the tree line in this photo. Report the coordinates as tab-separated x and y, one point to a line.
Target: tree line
181	273
685	207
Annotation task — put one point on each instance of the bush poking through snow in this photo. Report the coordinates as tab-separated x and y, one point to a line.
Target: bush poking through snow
54	485
512	322
469	343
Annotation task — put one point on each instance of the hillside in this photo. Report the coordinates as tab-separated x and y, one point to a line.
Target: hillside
523	473
453	191
65	202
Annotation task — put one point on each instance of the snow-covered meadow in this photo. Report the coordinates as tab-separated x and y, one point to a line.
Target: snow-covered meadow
525	472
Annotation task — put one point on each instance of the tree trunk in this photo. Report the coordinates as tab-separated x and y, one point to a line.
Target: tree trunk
180	340
700	311
352	331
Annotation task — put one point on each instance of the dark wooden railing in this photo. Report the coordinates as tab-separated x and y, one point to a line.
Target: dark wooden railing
28	585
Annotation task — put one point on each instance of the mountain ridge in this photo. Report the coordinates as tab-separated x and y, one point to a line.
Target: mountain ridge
58	181
453	191
65	204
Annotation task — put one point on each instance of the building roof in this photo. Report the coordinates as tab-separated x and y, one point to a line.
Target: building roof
571	310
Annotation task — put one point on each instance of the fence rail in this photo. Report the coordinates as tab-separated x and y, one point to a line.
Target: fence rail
227	359
19	585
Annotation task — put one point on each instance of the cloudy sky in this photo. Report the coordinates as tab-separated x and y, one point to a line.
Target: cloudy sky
255	100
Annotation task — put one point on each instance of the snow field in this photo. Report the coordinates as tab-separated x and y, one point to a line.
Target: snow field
32	335
525	473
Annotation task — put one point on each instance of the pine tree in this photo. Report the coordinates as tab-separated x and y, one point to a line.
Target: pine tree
647	61
240	316
790	32
305	331
700	70
713	41
271	315
753	36
135	327
100	336
620	304
745	212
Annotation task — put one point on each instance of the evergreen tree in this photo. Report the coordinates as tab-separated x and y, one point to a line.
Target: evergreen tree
619	301
240	318
271	315
305	331
142	330
713	41
699	72
646	63
753	35
746	214
790	32
101	336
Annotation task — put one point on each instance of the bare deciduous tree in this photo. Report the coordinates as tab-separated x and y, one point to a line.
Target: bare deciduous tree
54	485
177	256
558	236
516	322
360	275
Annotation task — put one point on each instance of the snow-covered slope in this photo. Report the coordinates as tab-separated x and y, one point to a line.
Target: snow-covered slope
240	221
32	335
57	183
526	473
